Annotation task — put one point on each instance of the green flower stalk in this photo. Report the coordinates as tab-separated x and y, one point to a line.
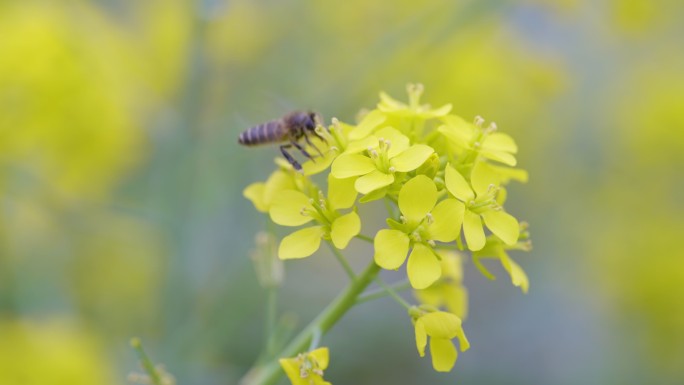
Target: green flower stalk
443	182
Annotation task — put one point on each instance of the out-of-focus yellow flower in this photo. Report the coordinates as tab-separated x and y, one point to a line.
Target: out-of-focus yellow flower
52	352
307	368
67	120
449	290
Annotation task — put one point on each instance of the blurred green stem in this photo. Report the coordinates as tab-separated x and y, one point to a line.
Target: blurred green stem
145	362
269	373
271	312
382	292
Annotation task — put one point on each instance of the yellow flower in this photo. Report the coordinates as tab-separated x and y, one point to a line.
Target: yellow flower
261	194
472	141
449	290
414	109
377	165
424	221
294	208
441	327
497	249
307	368
479	203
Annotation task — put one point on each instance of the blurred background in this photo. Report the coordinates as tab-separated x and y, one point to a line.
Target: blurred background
121	208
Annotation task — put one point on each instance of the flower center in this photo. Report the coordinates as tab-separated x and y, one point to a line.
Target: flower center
308	365
485	202
380	156
320	210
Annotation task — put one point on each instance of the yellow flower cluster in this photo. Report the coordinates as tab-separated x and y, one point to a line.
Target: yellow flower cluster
443	181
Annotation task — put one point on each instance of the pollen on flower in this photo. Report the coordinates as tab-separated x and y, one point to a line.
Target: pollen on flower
392	169
430	218
479	121
491	128
431	243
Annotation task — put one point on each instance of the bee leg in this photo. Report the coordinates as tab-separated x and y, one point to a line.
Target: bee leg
308	141
289	157
300	148
319	136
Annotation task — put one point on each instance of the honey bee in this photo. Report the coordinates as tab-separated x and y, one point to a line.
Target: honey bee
291	128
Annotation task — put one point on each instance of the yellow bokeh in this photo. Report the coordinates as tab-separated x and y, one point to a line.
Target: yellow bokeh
51	352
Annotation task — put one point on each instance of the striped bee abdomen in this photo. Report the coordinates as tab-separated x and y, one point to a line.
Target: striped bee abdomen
269	132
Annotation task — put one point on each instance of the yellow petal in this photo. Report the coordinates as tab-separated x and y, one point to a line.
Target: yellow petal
482	176
412	158
417	197
457	185
421	337
373	181
348	165
341	192
430	296
518	276
361	145
499	141
423	267
447	220
473	231
255	193
457	130
369	122
291	368
312	167
443	354
391	247
500	156
456	300
441	324
344	228
322	357
278	181
398	141
301	243
286	208
504	225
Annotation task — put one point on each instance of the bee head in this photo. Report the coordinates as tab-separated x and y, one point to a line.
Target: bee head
314	120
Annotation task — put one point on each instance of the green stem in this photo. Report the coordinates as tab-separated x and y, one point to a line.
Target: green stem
271	312
343	261
364	238
145	362
379	293
393	293
271	372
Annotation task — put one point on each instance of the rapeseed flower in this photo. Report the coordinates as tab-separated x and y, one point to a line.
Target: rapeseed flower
478	199
448	291
423	222
376	166
441	327
295	208
307	368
